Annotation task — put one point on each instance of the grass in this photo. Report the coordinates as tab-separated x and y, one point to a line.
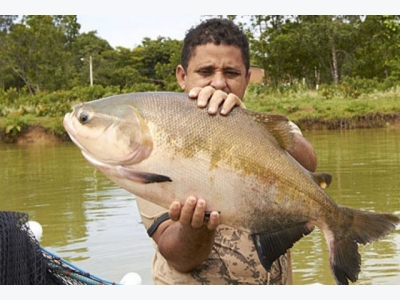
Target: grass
332	107
313	105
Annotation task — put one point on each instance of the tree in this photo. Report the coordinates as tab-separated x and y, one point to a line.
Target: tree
379	54
37	50
7	77
121	67
296	47
88	45
158	59
6	22
42	52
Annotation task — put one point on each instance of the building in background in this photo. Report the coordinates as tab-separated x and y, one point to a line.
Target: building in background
257	75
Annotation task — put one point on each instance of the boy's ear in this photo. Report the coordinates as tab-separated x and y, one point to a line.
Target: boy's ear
180	76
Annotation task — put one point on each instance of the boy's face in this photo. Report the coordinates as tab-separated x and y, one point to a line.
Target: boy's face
220	66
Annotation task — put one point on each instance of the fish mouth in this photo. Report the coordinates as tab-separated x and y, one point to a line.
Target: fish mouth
72	134
70	130
120	154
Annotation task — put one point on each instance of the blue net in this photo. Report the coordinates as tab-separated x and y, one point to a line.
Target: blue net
24	262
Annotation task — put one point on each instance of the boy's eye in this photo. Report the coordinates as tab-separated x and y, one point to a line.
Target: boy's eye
232	74
205	72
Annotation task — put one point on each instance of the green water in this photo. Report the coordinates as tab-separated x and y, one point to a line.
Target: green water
86	219
365	165
89	221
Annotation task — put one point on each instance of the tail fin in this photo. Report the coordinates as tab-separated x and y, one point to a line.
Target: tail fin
366	227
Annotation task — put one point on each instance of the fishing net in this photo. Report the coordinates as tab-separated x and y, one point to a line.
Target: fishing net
23	261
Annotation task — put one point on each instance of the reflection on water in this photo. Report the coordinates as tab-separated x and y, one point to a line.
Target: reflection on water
87	220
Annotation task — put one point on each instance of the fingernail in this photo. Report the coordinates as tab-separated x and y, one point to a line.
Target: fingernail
201	203
215	213
191	200
192	94
211	111
201	103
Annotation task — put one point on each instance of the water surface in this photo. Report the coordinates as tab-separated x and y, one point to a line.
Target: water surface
92	223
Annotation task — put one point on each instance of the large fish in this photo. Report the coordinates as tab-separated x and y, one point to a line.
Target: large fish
162	147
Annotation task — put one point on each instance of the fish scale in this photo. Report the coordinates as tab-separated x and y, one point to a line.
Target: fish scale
162	147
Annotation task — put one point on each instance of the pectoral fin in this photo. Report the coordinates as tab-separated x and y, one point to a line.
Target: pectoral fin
142	177
270	246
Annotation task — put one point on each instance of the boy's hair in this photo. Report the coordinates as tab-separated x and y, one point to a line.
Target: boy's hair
216	31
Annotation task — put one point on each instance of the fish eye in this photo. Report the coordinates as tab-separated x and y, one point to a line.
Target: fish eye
84	117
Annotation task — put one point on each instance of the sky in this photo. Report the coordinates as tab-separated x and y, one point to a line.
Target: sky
129	31
127	23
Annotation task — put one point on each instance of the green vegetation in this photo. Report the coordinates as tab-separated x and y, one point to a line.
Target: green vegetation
19	111
318	69
49	53
330	105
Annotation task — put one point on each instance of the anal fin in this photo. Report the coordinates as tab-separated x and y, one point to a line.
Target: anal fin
272	245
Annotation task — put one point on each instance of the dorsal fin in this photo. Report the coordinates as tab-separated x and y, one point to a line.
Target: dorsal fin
278	125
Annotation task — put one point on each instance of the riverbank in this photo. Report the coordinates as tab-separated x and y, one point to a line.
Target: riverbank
35	134
372	120
27	120
39	134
